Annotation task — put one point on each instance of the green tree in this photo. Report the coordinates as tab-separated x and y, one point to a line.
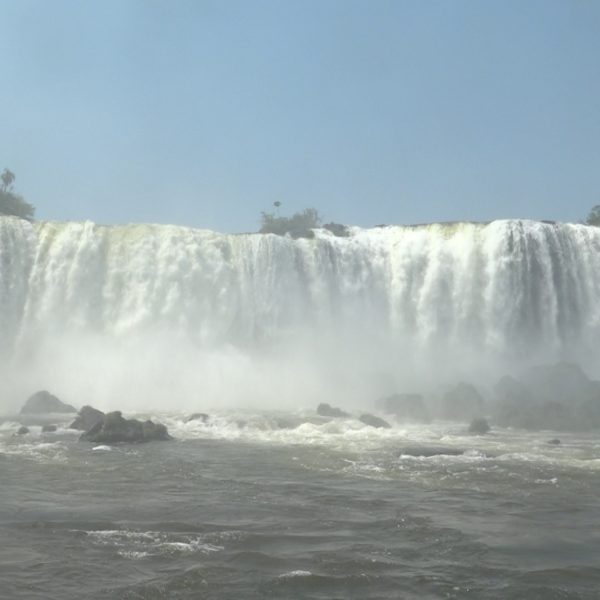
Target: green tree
11	203
594	216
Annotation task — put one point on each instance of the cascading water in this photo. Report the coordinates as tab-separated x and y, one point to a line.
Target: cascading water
156	314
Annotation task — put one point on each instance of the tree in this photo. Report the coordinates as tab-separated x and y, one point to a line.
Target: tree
11	203
594	216
298	225
7	179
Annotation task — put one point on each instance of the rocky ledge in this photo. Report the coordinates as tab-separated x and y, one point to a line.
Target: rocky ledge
114	428
44	402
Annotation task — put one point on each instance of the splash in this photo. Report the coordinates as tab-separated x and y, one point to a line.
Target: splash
155	315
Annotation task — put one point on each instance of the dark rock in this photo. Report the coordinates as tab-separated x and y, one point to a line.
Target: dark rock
479	426
513	402
462	403
408	407
558	396
48	428
554	442
22	430
373	421
88	417
45	402
114	428
326	410
510	390
198	417
562	382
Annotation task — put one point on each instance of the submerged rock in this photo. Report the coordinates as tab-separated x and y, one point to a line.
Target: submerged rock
115	428
48	428
198	417
479	426
461	403
373	421
326	410
88	417
427	452
554	442
408	407
44	402
22	430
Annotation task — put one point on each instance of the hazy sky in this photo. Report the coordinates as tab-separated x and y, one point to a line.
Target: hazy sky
205	113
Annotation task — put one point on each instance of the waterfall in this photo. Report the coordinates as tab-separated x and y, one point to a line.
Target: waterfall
153	311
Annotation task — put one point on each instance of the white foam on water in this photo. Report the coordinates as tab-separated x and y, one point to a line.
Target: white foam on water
297	573
141	544
41	452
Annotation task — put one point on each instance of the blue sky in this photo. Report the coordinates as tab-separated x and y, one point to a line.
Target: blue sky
205	113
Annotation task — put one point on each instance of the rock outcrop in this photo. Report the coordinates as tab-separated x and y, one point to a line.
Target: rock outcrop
462	403
44	402
87	417
558	397
405	407
22	430
326	410
373	421
479	426
114	428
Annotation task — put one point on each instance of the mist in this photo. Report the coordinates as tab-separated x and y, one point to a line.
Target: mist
144	317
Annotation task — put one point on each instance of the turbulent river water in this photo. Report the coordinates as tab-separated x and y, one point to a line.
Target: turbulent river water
286	505
266	499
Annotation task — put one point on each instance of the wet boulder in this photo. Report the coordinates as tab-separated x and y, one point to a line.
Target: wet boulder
479	426
114	428
48	428
44	402
405	407
461	403
22	430
554	442
326	410
87	417
373	421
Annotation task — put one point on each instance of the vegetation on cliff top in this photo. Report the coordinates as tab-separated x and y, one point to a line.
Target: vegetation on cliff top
594	217
299	225
10	202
